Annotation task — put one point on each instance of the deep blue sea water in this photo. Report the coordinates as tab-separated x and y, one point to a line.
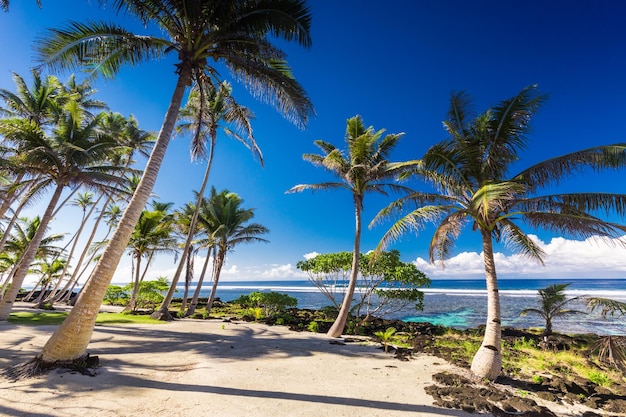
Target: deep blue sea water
463	303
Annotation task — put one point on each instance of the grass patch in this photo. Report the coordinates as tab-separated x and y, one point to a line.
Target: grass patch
56	317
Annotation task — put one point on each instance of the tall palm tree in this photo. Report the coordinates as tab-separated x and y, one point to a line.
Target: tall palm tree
470	172
364	169
208	109
552	302
201	34
230	228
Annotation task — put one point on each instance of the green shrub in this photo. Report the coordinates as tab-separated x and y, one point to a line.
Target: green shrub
537	379
599	378
116	296
313	327
270	302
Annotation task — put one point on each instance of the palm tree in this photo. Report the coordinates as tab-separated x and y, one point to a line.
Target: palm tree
152	233
206	108
470	172
234	33
229	230
552	305
364	169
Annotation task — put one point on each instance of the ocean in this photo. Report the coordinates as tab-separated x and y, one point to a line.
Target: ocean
462	304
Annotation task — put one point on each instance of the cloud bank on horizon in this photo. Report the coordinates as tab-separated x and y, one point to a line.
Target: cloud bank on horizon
565	258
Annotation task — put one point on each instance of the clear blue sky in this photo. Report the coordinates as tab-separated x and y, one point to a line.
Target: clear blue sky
396	66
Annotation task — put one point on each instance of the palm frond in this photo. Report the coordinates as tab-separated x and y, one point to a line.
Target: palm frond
577	225
445	235
612	350
606	306
519	242
315	187
99	47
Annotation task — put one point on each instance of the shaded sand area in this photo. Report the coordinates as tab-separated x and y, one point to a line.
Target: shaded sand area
213	368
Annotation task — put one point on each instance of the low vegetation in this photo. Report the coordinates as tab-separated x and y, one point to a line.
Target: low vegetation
56	317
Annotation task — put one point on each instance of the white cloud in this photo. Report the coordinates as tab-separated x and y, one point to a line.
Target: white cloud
279	272
310	255
564	258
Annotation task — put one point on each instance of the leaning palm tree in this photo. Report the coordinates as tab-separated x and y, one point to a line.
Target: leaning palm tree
364	169
552	302
201	34
230	228
470	172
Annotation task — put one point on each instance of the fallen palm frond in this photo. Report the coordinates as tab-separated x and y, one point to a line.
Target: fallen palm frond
612	350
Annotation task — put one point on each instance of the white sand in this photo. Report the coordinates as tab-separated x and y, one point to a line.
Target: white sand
211	368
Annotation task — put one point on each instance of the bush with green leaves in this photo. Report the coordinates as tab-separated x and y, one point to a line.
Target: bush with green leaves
386	284
149	296
271	303
116	295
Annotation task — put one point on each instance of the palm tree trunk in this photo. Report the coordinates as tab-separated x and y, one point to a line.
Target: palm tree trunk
336	330
196	294
487	362
71	338
132	304
217	269
27	258
188	279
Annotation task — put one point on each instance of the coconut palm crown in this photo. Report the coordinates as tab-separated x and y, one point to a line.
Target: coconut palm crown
364	169
470	175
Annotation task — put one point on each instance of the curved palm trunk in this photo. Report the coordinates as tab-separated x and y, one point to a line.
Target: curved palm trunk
338	326
196	294
217	269
27	258
163	313
71	338
487	362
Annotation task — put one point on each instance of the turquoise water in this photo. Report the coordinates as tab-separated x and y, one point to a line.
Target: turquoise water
463	303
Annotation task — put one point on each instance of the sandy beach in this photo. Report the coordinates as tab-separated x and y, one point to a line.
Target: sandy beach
215	368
